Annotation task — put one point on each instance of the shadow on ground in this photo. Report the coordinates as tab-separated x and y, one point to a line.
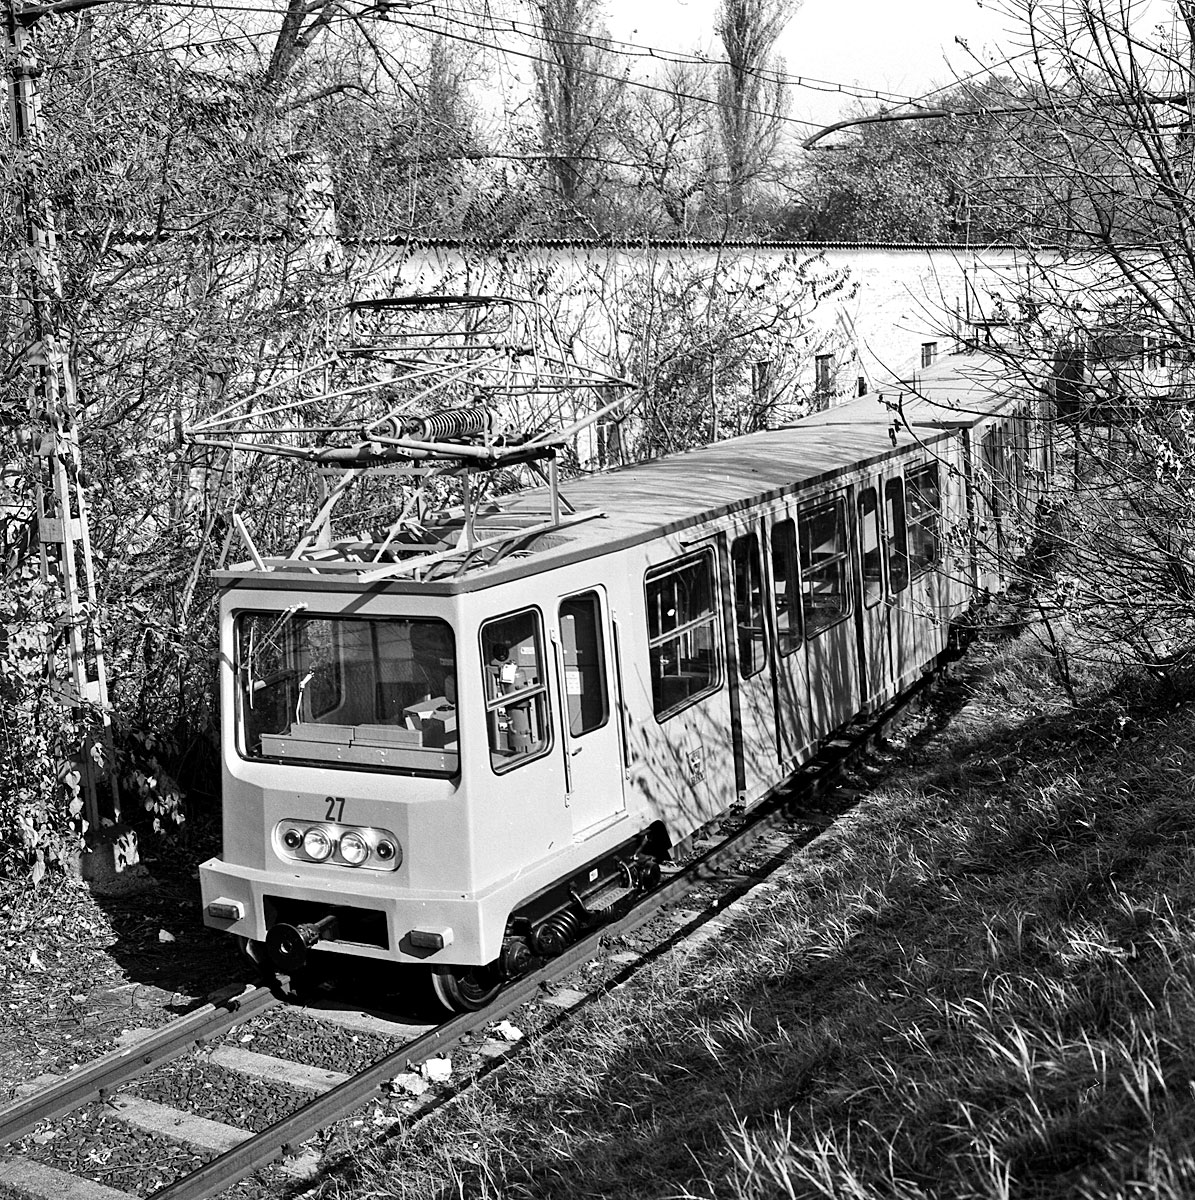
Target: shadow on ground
154	912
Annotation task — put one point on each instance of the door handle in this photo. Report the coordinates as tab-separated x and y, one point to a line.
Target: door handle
575	751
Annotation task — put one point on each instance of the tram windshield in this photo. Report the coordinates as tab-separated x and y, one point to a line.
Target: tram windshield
373	693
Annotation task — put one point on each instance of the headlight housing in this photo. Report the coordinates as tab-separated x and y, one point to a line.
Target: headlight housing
362	847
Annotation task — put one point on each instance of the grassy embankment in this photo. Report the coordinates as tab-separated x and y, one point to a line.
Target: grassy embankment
981	983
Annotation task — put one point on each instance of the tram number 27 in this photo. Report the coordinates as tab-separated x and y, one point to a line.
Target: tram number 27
335	808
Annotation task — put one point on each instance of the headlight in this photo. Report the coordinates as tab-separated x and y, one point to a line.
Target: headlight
353	849
317	844
362	847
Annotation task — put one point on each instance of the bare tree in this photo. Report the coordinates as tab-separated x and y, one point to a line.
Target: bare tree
664	137
577	98
414	165
1104	316
179	186
751	100
984	174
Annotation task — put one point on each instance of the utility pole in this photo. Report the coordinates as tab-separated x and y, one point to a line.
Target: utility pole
60	501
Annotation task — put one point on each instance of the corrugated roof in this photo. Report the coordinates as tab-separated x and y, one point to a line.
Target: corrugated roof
298	237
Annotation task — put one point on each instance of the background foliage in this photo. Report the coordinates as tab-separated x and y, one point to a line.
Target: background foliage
215	177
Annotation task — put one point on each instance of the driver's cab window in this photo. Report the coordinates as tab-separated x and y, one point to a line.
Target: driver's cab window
378	693
516	698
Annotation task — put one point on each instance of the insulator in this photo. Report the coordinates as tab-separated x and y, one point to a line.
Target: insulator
452	422
556	933
392	426
458	422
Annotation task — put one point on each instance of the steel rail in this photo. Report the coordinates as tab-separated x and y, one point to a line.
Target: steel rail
271	1143
94	1080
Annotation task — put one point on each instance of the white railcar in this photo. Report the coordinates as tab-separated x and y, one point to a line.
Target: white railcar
461	765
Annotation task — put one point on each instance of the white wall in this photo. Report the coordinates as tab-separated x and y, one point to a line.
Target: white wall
895	299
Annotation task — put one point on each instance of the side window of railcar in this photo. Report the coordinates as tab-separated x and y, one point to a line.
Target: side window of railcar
871	558
898	546
824	558
924	500
516	690
682	632
1020	450
748	604
786	582
990	451
584	662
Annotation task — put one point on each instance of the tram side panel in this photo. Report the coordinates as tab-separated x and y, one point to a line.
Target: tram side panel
979	533
1012	463
750	660
827	569
674	668
796	736
549	768
913	521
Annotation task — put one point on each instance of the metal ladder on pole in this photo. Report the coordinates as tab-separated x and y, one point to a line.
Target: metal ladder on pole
64	547
60	500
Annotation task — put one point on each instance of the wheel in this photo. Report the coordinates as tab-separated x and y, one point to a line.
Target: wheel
466	989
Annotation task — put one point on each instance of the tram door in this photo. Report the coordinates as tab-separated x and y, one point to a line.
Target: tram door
593	766
755	726
916	566
899	602
790	674
831	645
873	614
927	559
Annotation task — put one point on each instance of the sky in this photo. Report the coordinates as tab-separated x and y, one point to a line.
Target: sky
902	45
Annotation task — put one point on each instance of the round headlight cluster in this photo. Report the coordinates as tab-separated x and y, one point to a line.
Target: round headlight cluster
337	845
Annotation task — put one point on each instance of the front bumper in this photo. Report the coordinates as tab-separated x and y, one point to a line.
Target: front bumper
474	926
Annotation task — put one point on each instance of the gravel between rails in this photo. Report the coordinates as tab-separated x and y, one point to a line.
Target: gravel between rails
95	1144
305	1039
206	1090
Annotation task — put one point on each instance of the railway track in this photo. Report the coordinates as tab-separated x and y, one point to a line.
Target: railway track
774	831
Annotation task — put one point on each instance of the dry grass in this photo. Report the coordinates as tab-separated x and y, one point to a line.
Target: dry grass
980	984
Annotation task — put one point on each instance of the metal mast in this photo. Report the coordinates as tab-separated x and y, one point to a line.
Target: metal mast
60	501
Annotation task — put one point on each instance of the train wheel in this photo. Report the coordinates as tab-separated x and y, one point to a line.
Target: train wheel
467	989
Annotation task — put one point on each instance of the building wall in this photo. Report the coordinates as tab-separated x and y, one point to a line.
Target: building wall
877	308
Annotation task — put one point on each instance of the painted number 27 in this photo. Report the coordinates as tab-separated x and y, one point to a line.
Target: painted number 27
335	808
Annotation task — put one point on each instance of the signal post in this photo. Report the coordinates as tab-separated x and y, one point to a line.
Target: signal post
76	654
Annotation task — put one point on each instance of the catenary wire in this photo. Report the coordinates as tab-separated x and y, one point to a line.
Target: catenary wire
524	29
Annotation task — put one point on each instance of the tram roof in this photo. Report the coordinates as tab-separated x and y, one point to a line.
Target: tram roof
644	501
